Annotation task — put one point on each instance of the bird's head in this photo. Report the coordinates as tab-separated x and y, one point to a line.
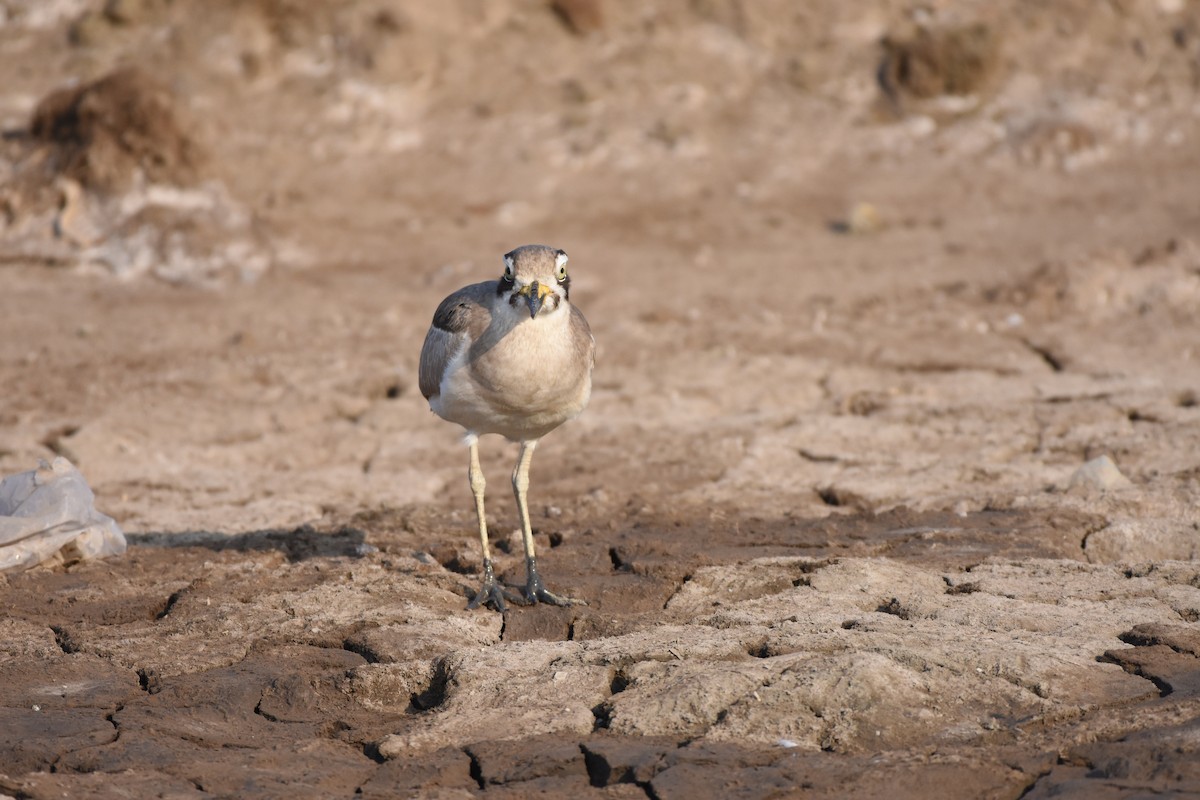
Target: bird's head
535	276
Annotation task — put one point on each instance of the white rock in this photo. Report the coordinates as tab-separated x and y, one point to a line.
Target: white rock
1099	473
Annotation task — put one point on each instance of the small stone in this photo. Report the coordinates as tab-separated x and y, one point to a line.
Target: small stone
125	12
580	16
391	746
1099	473
863	219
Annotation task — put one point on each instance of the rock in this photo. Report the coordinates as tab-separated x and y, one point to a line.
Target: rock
391	746
1099	473
1129	540
581	16
862	219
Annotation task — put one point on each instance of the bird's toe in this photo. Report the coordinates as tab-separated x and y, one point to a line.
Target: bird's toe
543	595
536	592
492	594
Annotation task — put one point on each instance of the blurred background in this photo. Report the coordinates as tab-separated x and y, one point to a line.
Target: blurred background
837	256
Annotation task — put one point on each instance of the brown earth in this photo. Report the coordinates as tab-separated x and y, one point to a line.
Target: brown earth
870	284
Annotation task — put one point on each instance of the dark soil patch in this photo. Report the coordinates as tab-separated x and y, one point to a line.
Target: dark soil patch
101	133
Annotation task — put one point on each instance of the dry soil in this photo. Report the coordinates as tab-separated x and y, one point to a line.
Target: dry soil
871	283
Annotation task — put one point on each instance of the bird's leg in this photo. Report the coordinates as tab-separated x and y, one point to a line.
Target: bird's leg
491	593
534	590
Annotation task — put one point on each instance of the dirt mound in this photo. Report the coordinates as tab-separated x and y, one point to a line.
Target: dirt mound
103	132
933	62
110	176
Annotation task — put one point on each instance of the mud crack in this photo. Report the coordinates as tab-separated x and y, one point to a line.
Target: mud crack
603	711
174	598
603	772
149	680
678	588
110	718
269	717
65	640
1055	361
476	769
1036	779
619	564
434	694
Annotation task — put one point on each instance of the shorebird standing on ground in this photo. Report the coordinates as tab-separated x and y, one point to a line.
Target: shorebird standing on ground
512	357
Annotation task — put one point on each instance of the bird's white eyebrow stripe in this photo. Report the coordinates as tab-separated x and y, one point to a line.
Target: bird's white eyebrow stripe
560	259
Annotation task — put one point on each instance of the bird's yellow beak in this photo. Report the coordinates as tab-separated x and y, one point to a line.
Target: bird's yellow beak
534	294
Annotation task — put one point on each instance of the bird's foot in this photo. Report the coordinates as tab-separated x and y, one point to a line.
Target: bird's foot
492	593
536	593
544	595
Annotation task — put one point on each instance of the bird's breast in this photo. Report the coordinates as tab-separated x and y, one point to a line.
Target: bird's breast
533	365
521	378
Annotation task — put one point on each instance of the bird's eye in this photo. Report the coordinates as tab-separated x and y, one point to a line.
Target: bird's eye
508	269
561	273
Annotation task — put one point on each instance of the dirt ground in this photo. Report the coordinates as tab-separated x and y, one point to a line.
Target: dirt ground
873	286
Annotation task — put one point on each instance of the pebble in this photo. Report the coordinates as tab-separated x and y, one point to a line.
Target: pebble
864	219
1099	473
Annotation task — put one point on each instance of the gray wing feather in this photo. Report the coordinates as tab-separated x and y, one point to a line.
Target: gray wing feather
585	343
456	318
439	348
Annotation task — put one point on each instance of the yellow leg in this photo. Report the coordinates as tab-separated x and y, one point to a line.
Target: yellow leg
534	590
490	592
478	485
520	482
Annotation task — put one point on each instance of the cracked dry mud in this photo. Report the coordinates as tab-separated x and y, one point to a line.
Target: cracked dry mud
828	656
854	344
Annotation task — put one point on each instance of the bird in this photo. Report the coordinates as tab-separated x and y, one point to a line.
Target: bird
513	357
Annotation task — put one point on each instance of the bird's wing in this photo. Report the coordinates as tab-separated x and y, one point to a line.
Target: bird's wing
459	316
581	333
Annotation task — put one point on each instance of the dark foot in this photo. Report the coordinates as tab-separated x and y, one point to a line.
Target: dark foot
492	593
536	593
